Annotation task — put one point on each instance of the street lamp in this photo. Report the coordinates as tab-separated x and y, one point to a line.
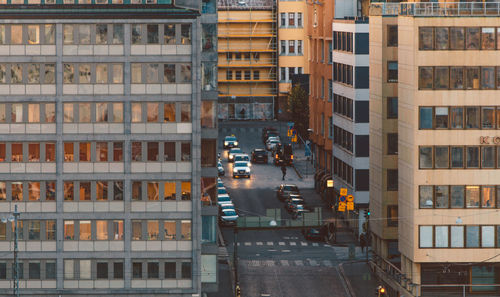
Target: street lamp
14	218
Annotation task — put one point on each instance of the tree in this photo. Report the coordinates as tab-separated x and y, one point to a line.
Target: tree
298	107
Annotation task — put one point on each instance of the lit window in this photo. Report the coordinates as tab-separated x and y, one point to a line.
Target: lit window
34	191
170	230
102	230
153	230
85	230
101	190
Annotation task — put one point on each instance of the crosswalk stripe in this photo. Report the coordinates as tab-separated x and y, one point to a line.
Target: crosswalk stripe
303	243
238	244
315	244
259	242
248	243
281	243
313	262
286	237
284	263
270	243
327	263
293	243
269	263
299	263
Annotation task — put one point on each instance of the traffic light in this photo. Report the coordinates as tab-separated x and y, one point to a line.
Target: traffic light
381	292
367	214
238	291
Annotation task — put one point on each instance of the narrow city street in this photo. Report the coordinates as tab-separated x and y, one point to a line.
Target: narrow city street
278	262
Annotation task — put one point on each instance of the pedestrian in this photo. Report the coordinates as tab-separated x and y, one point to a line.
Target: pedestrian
283	170
362	242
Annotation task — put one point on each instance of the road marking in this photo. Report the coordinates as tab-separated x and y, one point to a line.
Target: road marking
299	263
286	251
293	243
238	244
286	237
327	263
281	243
315	244
259	243
248	243
254	263
303	243
270	243
313	262
284	263
327	245
272	250
269	263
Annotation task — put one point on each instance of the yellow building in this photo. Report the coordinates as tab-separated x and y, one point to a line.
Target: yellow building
247	66
444	68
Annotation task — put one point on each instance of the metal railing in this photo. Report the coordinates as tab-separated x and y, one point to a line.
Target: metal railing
450	9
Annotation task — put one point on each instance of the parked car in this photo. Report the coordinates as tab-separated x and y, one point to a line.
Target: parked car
232	152
228	217
224	200
292	201
285	189
259	155
241	168
227	206
230	142
220	184
220	169
222	191
299	210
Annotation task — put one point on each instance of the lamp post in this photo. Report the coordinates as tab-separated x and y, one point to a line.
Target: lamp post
14	218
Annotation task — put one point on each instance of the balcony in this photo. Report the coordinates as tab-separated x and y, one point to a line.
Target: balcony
437	9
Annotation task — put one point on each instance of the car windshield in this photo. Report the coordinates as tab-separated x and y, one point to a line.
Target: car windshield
227	206
259	151
234	151
224	198
230	213
230	138
291	188
241	158
221	191
275	141
240	164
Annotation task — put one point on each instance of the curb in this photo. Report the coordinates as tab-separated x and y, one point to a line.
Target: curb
346	280
229	261
296	171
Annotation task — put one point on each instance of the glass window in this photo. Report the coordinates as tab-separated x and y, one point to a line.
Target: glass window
34	191
472	196
50	112
85	230
472	78
136	34
136	270
498	73
16	73
17	113
488	157
169	151
101	151
392	143
50	270
101	190
33	73
441	117
169	73
441	236
85	74
185	33
69	152
153	269
472	153
118	190
392	72
50	74
169	191
69	74
426	197
153	191
101	73
186	190
153	230
425	236
152	111
3	191
185	151
136	151
457	196
85	191
136	73
425	78
34	270
3	113
3	236
16	34
392	107
170	270
457	117
84	34
117	229
34	113
117	73
69	269
153	151
136	112
136	190
207	114
426	36
117	33
152	73
186	270
457	236
487	78
117	151
69	230
101	112
85	269
84	151
473	36
84	112
186	230
441	157
69	193
185	76
487	196
207	37
472	117
3	152
17	152
488	38
50	191
33	230
441	194
441	78
392	35
169	34
456	78
442	38
152	34
101	33
3	74
136	230
426	157
2	35
169	112
487	236
117	112
102	229
457	38
102	270
68	112
472	236
185	112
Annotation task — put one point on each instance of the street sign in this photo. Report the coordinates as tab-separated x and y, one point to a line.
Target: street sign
329	183
342	206
343	191
289	133
294	138
342	199
294	132
350	205
350	198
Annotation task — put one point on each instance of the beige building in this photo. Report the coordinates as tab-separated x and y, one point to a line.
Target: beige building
436	181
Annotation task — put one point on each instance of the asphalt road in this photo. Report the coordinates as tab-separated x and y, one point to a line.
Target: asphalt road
280	263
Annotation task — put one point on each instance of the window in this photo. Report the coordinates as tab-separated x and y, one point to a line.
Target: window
299	19
457	38
136	70
152	34
392	179
118	270
170	230
152	111
153	230
101	33
456	78
136	112
84	112
487	117
17	152
441	194
425	237
472	196
50	270
185	230
169	191
69	230
487	78
85	230
392	215
441	77
472	38
472	236
186	270
392	143
185	151
426	200
185	112
441	236
169	34
392	107
392	71
283	19
102	270
441	157
457	196
208	113
33	230
136	230
283	47
117	151
472	156
457	157
229	74
153	269
442	38
392	35
136	270
247	75
136	151
186	34
50	230
472	116
170	270
169	151
426	36
17	191
256	75
425	78
299	46
69	269
34	191
101	190
84	151
441	117
425	157
101	151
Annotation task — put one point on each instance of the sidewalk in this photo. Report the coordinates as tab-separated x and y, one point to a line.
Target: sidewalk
361	282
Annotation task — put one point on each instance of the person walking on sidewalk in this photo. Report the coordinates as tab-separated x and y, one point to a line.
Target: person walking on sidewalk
283	170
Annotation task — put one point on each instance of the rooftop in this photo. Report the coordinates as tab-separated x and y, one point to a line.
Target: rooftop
246	4
436	9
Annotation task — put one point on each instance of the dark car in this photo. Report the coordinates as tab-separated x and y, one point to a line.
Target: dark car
291	203
259	156
266	131
314	234
284	190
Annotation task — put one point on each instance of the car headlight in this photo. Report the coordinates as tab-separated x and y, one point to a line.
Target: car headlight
231	156
235	143
247	170
225	143
235	170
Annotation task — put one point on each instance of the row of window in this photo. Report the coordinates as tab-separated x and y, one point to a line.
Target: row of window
343	170
343	41
35	73
343	106
30	230
458	78
459	117
291	47
239	56
160	73
458	196
343	73
27	34
94	190
459	38
242	74
342	138
31	269
468	236
87	2
291	19
287	72
445	157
